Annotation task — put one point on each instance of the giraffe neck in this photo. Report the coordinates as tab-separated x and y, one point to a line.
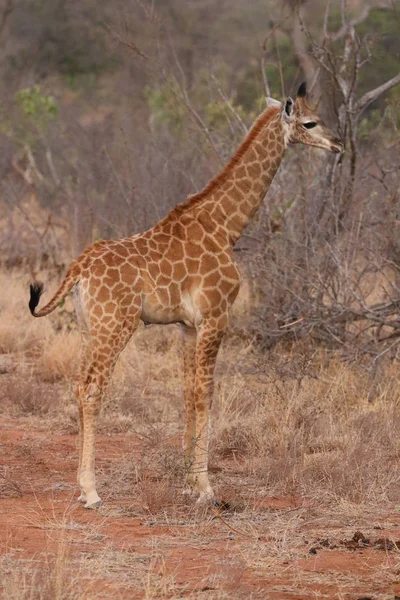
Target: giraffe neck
231	199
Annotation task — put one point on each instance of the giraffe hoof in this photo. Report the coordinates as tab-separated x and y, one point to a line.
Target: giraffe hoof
94	504
82	498
207	498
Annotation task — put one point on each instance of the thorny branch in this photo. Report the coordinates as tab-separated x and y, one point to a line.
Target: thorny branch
5	15
372	95
316	288
182	97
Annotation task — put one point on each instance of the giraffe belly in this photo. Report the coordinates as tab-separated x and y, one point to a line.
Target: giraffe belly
158	315
155	312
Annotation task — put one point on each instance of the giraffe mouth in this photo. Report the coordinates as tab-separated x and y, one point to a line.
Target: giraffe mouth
337	145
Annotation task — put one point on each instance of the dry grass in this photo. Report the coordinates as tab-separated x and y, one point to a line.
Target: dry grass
85	563
300	422
21	396
60	357
297	423
319	435
51	580
123	574
64	577
18	331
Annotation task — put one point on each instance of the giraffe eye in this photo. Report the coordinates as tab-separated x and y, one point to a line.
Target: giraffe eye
310	124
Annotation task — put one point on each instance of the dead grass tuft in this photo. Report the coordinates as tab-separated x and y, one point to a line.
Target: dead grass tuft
153	476
318	435
27	396
8	487
52	580
19	332
60	357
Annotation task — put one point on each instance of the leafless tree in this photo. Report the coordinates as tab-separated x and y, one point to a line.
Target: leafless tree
329	263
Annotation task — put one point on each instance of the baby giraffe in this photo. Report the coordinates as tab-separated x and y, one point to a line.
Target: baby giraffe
180	271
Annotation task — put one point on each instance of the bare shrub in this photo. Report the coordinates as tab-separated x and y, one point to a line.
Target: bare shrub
324	249
146	388
313	435
153	475
24	396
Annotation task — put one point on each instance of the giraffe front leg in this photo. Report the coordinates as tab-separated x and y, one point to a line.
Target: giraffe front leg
209	341
110	330
105	346
98	374
189	362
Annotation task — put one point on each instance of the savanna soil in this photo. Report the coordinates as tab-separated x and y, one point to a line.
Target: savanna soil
304	458
148	541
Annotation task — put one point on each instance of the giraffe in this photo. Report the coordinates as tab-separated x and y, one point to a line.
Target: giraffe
182	271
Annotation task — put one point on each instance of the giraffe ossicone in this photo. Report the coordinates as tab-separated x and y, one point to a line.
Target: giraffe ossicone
180	271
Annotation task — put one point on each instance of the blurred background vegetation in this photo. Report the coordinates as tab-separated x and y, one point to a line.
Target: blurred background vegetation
112	113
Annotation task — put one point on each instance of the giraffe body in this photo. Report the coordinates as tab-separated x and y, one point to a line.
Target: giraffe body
180	271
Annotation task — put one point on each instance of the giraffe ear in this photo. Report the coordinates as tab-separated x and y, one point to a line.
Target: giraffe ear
288	111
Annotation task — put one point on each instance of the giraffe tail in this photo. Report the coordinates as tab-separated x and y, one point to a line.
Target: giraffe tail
71	278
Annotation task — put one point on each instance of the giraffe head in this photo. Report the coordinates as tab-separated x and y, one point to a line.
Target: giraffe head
302	125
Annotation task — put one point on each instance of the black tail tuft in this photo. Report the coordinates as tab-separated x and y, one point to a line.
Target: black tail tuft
36	292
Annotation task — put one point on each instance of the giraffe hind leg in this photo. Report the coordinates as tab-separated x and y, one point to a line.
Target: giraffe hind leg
84	355
82	497
104	348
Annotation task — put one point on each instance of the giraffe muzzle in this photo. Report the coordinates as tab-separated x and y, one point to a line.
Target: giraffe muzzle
337	145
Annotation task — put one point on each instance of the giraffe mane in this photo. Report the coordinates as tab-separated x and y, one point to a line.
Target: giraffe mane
219	179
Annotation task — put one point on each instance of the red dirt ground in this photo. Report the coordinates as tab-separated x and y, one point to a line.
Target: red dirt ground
123	551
